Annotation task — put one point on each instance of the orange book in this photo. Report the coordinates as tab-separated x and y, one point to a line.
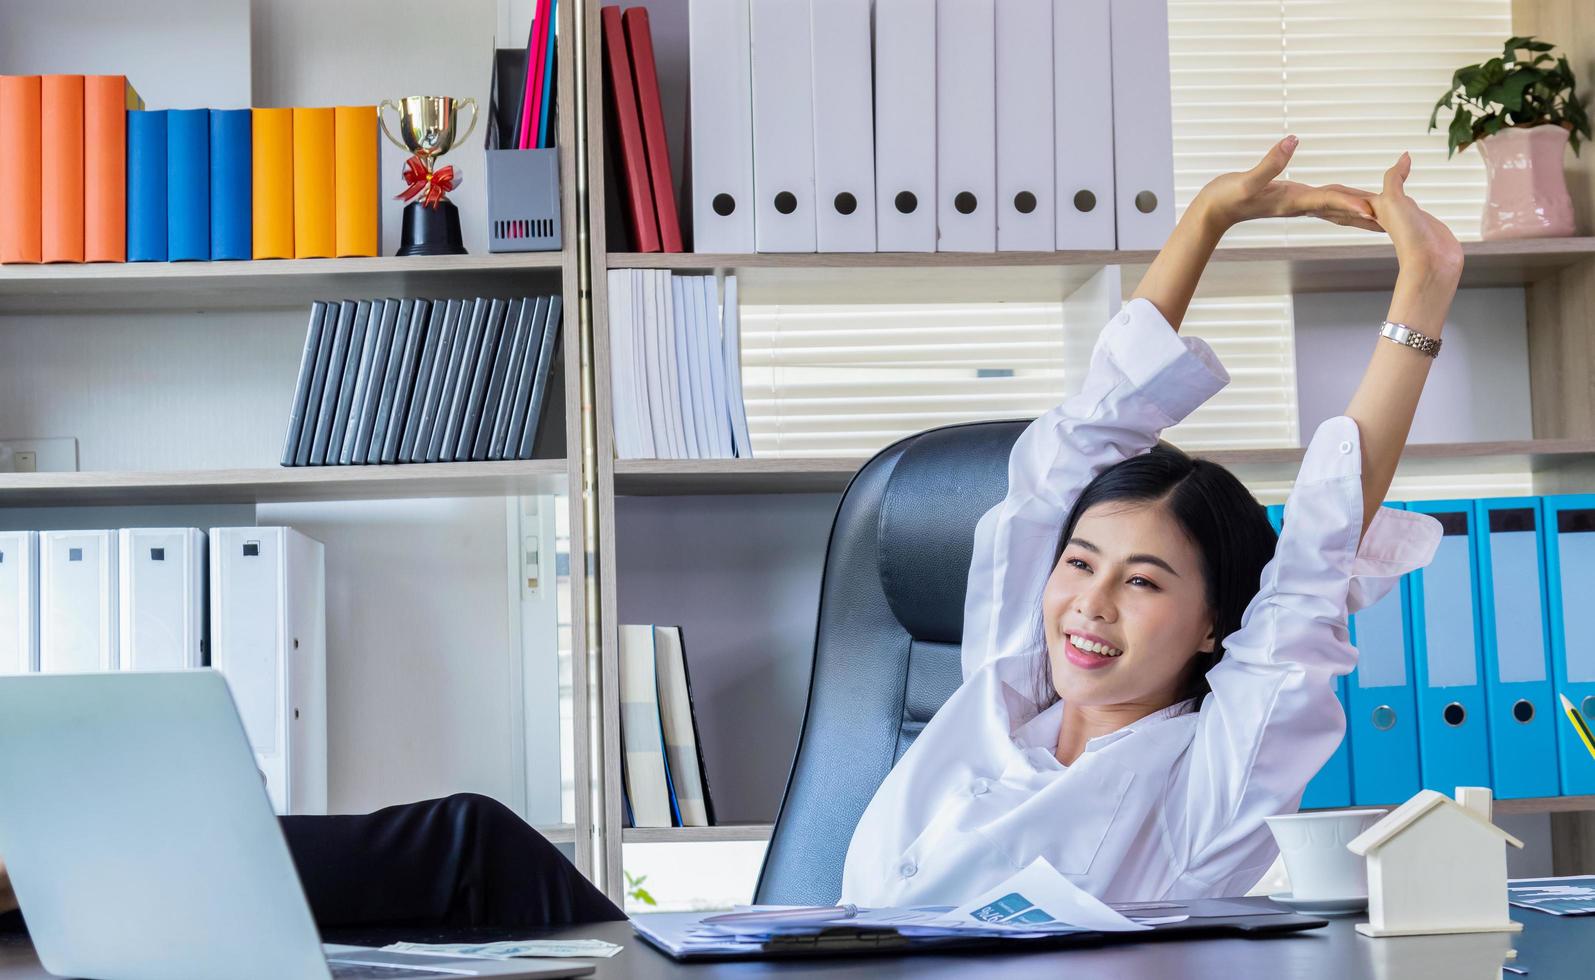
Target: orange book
106	101
274	182
20	139
315	214
61	169
355	163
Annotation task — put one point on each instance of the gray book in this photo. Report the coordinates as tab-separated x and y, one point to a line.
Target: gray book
423	377
368	352
307	369
351	375
545	363
449	422
481	378
390	380
406	404
435	383
379	371
504	413
524	374
329	391
318	378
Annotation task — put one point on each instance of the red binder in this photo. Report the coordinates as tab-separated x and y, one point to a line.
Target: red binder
633	160
640	37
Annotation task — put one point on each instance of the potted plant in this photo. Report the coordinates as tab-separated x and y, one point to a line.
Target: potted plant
1521	112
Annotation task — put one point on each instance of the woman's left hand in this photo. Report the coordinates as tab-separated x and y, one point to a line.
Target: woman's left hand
1256	193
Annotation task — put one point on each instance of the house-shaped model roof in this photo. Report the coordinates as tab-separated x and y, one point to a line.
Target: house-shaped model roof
1449	876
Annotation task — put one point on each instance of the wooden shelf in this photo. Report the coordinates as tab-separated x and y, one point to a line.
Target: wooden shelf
286	483
194	286
682	477
562	833
672	835
1243	270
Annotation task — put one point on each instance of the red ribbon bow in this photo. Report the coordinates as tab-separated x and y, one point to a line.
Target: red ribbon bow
426	184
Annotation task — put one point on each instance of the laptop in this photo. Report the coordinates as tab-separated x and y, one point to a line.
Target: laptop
141	844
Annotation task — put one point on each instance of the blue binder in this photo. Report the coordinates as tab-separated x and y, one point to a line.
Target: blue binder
231	169
1332	786
1570	568
1383	716
146	185
188	185
1453	734
1523	713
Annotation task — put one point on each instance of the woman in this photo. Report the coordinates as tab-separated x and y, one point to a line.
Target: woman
1181	704
1187	664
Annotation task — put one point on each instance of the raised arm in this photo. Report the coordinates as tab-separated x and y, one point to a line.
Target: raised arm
1431	267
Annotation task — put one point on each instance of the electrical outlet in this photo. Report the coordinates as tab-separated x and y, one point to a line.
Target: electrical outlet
25	461
43	455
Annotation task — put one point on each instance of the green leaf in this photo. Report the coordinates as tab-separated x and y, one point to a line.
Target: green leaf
1477	80
1510	92
1539	46
1461	131
642	896
1513	43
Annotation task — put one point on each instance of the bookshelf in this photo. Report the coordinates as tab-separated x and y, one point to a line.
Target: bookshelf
681	498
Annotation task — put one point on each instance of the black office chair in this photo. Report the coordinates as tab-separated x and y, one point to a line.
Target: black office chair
886	652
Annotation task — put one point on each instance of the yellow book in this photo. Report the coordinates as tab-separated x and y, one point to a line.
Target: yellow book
314	237
359	207
274	182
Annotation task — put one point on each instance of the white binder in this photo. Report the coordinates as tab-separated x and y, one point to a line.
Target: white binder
1082	129
783	126
1143	127
722	126
161	600
1026	214
844	131
19	602
77	601
269	639
905	125
966	126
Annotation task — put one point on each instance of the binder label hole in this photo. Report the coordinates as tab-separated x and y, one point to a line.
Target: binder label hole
1455	714
1588	706
906	202
786	202
1384	718
251	549
1146	202
724	204
157	554
965	202
1523	711
846	203
74	554
1085	201
1024	202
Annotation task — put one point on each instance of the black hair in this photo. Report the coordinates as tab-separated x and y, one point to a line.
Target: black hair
1229	528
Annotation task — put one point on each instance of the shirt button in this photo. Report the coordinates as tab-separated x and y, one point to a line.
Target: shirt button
909	869
1345	447
979	787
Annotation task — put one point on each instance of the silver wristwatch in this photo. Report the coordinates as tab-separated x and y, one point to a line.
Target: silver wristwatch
1408	337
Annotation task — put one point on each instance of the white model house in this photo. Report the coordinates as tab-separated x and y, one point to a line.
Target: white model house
1436	865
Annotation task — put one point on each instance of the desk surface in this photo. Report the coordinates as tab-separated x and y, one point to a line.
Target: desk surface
1548	947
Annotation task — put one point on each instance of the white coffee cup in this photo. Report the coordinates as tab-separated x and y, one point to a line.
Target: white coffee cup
1314	848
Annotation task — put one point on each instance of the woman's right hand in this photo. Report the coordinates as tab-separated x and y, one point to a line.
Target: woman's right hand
1424	245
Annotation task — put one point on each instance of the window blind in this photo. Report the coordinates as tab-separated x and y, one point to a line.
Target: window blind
1355	80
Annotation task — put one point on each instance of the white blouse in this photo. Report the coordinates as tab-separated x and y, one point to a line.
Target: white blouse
1172	805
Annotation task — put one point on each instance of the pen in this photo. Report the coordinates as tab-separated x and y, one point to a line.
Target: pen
1578	724
818	914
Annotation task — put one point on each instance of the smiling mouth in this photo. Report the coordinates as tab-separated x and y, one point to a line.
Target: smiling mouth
1092	647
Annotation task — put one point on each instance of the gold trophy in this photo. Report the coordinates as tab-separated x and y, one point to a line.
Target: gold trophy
427	124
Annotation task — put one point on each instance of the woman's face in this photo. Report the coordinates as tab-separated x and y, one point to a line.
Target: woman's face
1129	587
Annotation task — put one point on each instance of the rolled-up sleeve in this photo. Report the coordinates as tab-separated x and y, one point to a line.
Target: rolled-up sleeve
1273	718
1143	378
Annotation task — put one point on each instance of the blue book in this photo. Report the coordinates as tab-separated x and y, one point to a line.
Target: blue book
1570	567
188	185
146	185
1453	738
1523	712
1382	720
1331	787
231	184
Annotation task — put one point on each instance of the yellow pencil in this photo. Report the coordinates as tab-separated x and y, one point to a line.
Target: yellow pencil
1578	724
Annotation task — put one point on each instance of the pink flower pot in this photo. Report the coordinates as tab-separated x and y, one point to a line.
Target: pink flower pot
1526	195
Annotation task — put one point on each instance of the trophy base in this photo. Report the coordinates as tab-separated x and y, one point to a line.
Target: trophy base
431	231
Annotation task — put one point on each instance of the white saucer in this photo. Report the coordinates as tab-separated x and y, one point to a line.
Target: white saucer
1322	906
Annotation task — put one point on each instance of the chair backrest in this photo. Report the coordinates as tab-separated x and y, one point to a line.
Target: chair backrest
886	651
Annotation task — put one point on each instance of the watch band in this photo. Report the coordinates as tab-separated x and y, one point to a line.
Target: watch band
1408	337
